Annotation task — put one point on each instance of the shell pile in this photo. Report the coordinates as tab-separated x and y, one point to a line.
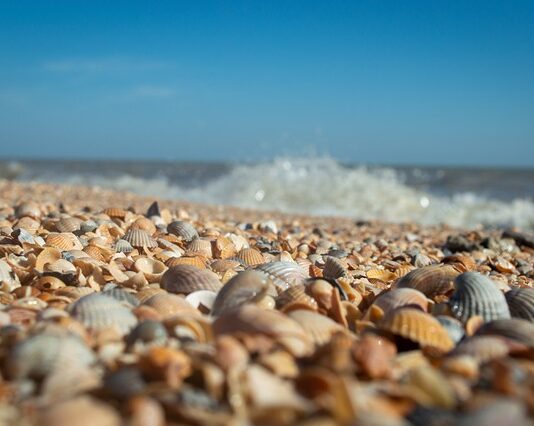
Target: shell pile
196	315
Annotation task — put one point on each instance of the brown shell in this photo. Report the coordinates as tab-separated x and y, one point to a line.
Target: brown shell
198	261
183	230
168	305
28	208
515	329
139	238
387	301
295	294
283	274
430	280
334	268
116	212
319	327
250	257
63	241
145	224
152	269
482	348
418	326
200	246
521	303
68	224
187	278
147	292
223	248
223	265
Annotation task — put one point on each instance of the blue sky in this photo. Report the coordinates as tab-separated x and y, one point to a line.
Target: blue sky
420	82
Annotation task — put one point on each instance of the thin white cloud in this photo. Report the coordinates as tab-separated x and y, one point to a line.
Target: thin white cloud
101	65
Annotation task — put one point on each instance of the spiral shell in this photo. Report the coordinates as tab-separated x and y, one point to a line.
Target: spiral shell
476	294
283	274
417	326
139	238
182	229
430	280
187	278
99	311
521	303
250	257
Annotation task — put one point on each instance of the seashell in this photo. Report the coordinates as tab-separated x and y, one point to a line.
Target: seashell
374	355
148	332
283	274
202	300
186	279
381	275
38	356
246	287
8	279
223	248
482	348
49	283
182	229
144	224
521	303
99	312
123	246
460	262
190	327
139	238
200	246
74	292
417	326
28	223
79	411
115	212
454	328
334	268
429	387
96	253
476	294
124	383
68	224
147	292
48	255
59	267
387	301
515	329
152	269
28	208
319	327
63	241
123	296
250	257
223	265
430	280
295	294
253	321
198	261
169	305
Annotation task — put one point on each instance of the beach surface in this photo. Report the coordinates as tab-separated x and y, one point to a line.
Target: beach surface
119	308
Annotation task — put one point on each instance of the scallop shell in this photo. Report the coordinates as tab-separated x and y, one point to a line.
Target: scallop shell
515	329
139	238
245	287
521	303
198	261
123	296
74	293
283	274
482	348
250	257
99	311
223	248
187	278
152	269
28	223
200	246
454	328
334	268
147	292
63	241
144	224
295	295
68	224
387	301
182	229
476	294
123	246
430	280
418	326
319	327
115	212
169	305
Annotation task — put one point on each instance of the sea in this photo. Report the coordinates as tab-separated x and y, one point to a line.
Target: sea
458	196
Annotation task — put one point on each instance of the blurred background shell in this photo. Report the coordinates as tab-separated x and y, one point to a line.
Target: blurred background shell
184	279
283	274
521	303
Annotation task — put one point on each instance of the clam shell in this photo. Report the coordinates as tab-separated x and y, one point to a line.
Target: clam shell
454	328
223	265
144	224
152	269
245	287
250	257
319	327
476	294
169	305
68	224
187	278
198	261
123	246
115	212
482	348
99	311
521	303
202	299
63	241
139	238
430	280
182	229
283	274
334	268
200	246
418	326
398	297
295	295
515	329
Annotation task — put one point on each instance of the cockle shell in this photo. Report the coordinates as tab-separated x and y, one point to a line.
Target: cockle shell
482	348
250	257
476	294
295	295
68	224
99	311
168	305
28	208
198	261
144	224
515	329
116	212
63	241
430	280
418	326
123	296
123	246
334	268
245	287
182	229
454	328
223	265
139	238
187	278
387	301
152	269
283	274
521	303
200	246
319	327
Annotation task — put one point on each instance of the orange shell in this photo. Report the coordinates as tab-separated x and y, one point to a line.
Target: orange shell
430	280
250	257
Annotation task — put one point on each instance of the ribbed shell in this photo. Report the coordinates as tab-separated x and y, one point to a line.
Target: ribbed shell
283	274
187	278
245	287
250	257
295	294
319	327
454	328
116	212
516	329
476	294
521	303
334	268
418	326
123	296
68	224
123	246
182	229
430	280
401	297
203	247
482	348
144	224
98	311
139	238
198	261
41	354
63	241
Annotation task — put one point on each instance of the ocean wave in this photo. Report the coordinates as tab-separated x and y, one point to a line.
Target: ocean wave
322	186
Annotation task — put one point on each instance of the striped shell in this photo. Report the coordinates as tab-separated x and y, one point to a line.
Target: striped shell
482	348
516	329
454	328
123	246
430	280
334	268
99	311
116	212
250	257
283	274
198	261
319	327
200	246
245	287
182	229
521	303
122	296
476	294
68	224
387	301
293	296
139	238
418	326
144	224
63	241
187	278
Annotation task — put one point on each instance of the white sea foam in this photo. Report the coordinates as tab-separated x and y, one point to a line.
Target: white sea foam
322	186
